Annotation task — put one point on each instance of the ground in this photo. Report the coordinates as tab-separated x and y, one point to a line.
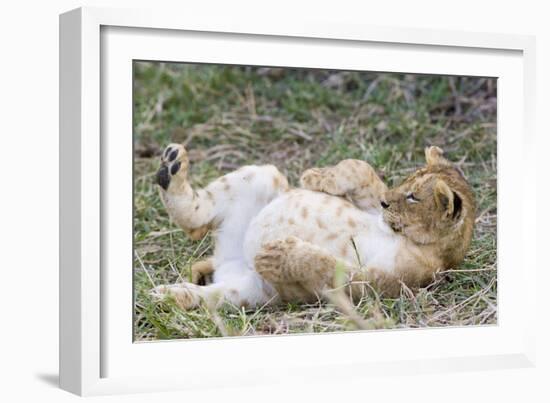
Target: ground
228	116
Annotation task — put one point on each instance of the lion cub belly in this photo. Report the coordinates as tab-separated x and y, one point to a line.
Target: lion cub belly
329	222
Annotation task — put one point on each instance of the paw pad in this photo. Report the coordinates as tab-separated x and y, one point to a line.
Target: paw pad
171	161
163	179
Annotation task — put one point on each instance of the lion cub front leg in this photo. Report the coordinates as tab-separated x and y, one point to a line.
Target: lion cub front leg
298	270
289	262
350	178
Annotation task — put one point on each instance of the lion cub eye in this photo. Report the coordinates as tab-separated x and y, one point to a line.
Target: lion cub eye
411	198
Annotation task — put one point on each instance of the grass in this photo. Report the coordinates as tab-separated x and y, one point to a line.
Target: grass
295	119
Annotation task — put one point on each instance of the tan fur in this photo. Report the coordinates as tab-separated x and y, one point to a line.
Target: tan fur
363	187
438	238
299	263
431	214
436	230
185	295
202	271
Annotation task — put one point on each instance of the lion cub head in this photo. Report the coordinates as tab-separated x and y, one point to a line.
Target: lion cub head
434	206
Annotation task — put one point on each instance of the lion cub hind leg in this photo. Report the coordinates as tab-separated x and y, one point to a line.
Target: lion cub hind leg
239	286
202	271
229	201
292	261
174	163
193	211
186	295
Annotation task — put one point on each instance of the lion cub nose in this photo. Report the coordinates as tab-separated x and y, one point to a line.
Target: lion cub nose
384	204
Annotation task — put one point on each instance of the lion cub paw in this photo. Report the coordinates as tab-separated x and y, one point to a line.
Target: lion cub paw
186	295
311	178
320	180
173	165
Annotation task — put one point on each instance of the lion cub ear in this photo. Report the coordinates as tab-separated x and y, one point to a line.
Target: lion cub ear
434	156
444	198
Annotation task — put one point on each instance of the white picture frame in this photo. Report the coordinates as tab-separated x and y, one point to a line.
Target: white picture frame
97	355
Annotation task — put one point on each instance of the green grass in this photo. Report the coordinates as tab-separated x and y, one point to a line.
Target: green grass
296	119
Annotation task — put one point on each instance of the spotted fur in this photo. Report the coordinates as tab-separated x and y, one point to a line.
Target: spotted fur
273	243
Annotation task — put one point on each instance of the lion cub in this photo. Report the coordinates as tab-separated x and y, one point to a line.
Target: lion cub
432	212
274	243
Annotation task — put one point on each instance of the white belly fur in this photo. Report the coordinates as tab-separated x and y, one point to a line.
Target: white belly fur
328	222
